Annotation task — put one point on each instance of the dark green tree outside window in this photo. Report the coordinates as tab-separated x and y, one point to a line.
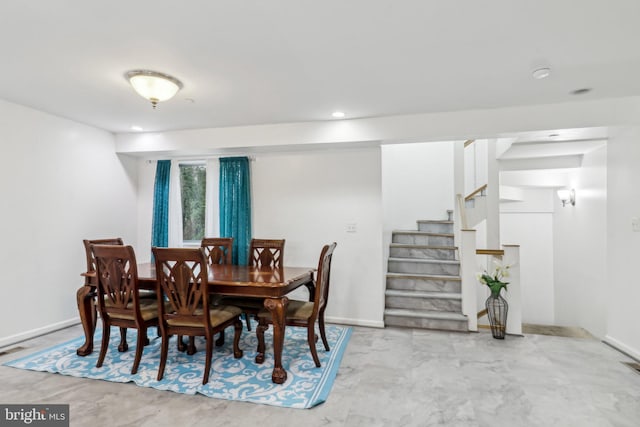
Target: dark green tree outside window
193	188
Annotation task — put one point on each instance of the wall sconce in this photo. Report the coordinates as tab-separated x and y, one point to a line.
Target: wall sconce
567	196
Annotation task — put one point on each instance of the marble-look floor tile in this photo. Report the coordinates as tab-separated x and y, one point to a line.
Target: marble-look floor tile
388	377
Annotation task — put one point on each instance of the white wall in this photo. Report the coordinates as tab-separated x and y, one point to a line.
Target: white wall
417	183
620	288
580	248
308	198
60	182
622	272
530	224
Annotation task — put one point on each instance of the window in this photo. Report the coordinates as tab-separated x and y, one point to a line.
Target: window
193	191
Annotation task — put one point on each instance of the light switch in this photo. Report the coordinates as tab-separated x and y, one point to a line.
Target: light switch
351	227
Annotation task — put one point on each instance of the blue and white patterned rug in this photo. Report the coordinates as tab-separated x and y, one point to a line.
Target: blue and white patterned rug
233	379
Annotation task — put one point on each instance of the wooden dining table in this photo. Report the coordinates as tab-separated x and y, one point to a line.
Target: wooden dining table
271	284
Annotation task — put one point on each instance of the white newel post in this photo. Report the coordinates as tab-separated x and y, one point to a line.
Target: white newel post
514	292
468	275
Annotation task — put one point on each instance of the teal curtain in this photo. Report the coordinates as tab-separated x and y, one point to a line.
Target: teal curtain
235	205
160	224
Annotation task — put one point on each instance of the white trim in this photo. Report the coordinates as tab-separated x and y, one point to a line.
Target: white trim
355	322
211	206
23	336
175	207
631	352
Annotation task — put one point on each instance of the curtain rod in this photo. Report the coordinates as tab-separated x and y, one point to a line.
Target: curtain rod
199	159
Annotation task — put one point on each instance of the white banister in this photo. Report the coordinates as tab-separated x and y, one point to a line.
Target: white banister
468	277
514	291
462	212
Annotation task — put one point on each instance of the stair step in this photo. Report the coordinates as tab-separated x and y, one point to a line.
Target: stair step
423	282
425	301
408	250
424	276
426	233
422	238
414	246
435	221
422	314
423	266
435	226
427	261
427	295
426	319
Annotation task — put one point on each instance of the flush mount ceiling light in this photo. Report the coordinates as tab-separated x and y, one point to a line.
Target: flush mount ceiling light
154	86
541	73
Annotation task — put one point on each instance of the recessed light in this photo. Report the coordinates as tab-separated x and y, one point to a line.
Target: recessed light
580	91
541	73
137	128
338	114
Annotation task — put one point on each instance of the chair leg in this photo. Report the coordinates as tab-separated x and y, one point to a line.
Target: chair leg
181	345
164	350
237	332
106	332
142	336
220	340
262	326
323	334
207	361
247	318
123	346
311	338
191	347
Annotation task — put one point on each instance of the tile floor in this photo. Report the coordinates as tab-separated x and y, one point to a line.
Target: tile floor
388	377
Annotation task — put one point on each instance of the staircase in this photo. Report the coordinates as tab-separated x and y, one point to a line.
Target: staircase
423	279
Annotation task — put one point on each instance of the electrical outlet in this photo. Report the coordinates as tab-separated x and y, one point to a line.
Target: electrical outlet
635	223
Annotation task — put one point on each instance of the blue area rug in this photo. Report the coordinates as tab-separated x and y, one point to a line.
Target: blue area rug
233	379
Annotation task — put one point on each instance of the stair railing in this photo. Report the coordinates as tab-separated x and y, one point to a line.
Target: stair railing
469	283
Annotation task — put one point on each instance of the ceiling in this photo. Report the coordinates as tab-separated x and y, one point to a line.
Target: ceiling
258	62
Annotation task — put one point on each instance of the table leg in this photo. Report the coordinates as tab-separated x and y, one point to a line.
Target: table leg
311	286
278	308
88	317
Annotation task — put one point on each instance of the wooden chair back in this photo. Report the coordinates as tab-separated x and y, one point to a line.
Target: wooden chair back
181	275
91	260
266	253
117	280
323	277
218	249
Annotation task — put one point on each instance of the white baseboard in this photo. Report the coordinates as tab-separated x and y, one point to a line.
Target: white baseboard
355	322
23	336
629	351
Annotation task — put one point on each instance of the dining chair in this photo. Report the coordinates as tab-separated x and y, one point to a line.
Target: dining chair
91	279
217	249
119	301
263	253
182	281
266	253
304	313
